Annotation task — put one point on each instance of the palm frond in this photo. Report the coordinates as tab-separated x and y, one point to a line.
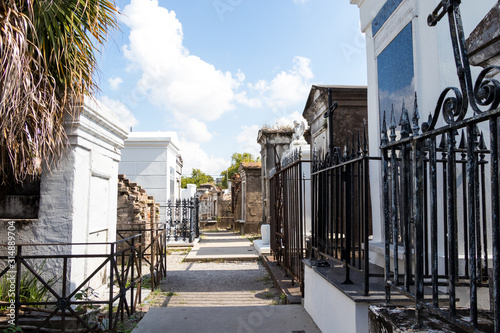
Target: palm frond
47	51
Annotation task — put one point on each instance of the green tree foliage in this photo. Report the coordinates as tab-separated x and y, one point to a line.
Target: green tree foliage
48	61
198	177
236	160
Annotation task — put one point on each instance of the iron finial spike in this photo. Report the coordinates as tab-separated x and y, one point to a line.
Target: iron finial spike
405	122
463	143
426	125
416	117
482	148
385	138
384	124
482	144
444	142
393	125
393	118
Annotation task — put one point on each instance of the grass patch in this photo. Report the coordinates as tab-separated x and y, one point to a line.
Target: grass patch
30	289
251	237
280	300
146	282
265	278
178	251
268	295
170	294
157	292
208	260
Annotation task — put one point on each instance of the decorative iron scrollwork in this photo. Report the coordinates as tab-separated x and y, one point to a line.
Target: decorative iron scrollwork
485	93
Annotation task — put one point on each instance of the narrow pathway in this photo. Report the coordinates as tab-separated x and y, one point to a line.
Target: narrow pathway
220	293
215	283
222	246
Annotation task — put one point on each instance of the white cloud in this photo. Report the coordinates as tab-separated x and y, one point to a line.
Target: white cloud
243	99
288	88
194	157
172	77
248	140
124	114
288	120
196	131
115	82
192	91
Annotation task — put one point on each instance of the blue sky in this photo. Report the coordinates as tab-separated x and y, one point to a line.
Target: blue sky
215	71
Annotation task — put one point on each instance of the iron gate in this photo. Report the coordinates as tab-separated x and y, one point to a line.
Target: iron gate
182	223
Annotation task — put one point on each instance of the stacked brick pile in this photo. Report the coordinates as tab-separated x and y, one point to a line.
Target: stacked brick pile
136	210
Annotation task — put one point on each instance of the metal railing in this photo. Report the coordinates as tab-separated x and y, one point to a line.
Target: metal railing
288	216
182	223
441	195
341	220
122	282
154	250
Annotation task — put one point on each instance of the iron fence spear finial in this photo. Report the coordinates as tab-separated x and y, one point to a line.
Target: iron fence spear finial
416	117
385	138
405	122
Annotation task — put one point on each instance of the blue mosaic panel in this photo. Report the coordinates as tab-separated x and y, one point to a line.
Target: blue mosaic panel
396	75
384	13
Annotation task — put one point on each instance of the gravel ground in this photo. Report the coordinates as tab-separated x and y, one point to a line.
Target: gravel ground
213	283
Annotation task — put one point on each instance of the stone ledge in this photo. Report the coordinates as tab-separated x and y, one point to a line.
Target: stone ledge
283	282
335	275
483	43
261	248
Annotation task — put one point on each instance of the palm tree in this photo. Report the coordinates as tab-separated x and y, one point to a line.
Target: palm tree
48	63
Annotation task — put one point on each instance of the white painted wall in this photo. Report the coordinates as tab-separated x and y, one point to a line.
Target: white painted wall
78	195
189	192
147	159
331	310
97	141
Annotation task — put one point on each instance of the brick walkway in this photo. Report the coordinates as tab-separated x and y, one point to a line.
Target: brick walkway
241	292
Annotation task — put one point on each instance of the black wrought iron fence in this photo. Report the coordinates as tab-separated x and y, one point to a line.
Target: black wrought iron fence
67	302
154	250
289	215
341	220
441	199
182	223
437	190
